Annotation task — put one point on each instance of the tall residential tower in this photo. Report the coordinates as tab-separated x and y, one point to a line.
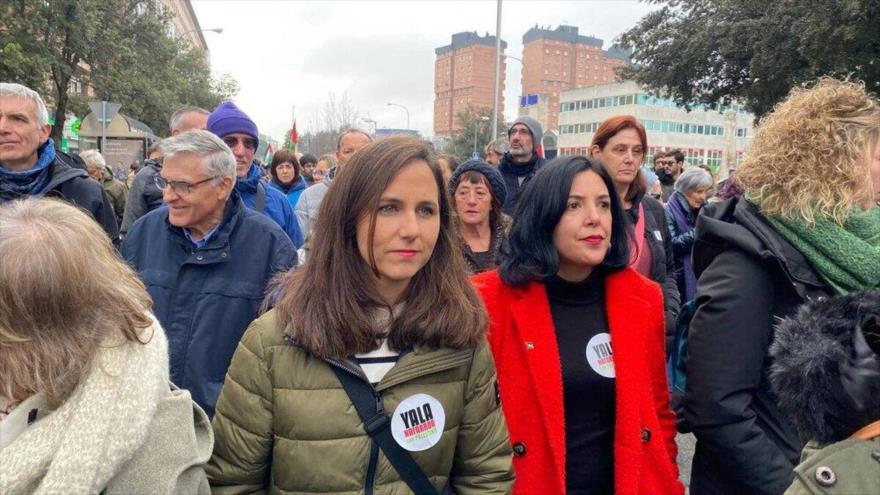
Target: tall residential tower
560	60
464	75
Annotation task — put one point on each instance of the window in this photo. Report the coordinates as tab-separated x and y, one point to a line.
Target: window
629	100
589	104
641	99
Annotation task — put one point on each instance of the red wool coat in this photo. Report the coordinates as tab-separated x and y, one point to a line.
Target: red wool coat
523	342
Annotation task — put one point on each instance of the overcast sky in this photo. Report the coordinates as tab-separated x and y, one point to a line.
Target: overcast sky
285	53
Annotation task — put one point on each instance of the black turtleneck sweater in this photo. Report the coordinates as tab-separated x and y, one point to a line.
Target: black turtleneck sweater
578	311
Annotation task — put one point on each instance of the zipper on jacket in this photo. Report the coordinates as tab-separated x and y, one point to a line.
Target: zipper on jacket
374	452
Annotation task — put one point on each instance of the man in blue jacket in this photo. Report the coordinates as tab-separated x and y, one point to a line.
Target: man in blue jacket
206	260
240	133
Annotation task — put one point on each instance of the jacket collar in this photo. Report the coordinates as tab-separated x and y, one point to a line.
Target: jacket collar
418	362
217	249
739	223
248	183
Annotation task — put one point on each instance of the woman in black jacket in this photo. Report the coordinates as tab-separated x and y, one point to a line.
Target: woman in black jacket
620	144
807	225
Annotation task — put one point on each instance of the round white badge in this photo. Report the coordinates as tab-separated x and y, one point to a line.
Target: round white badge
418	422
600	355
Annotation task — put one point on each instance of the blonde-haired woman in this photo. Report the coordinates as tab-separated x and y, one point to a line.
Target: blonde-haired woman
807	225
85	402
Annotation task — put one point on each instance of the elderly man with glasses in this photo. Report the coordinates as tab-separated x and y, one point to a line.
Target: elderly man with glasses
206	260
240	133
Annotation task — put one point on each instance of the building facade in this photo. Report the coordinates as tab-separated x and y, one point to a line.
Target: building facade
184	23
560	60
464	76
717	138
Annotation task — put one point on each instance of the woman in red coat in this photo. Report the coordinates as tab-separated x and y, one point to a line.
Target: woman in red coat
578	344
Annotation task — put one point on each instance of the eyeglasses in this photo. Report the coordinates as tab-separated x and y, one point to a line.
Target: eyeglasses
665	162
248	143
178	186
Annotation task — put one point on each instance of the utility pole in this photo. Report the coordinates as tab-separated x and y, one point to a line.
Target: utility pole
497	70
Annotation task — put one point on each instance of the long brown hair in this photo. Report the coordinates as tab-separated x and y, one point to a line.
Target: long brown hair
327	305
607	130
63	292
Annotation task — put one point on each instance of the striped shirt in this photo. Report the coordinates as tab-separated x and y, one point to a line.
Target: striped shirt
377	363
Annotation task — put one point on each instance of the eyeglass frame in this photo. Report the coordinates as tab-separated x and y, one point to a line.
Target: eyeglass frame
179	186
248	143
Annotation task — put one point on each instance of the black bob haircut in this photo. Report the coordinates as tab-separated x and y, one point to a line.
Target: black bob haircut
529	254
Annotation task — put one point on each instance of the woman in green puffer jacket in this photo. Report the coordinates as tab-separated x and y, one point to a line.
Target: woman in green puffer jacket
383	298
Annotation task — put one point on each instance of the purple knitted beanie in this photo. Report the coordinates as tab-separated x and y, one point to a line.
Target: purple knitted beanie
228	119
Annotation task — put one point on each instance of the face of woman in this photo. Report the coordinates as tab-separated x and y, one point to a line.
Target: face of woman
473	203
320	171
622	156
285	172
697	197
406	231
583	235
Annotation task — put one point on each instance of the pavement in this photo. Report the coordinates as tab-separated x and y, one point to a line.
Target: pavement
686	444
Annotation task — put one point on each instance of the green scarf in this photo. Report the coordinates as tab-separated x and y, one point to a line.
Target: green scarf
847	257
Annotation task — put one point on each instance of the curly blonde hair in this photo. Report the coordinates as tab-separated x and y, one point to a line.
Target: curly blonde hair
811	154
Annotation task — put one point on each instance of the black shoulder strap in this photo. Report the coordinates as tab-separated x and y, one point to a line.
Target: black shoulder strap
261	198
368	404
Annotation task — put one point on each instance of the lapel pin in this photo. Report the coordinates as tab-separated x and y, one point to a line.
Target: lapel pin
530	346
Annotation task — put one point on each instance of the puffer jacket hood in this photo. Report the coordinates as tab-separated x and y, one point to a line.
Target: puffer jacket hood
737	223
826	367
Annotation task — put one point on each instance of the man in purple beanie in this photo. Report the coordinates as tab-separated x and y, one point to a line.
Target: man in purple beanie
240	133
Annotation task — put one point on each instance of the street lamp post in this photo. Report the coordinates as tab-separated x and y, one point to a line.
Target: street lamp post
213	30
477	126
497	70
404	109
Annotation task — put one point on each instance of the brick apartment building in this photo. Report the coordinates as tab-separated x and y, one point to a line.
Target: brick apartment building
464	75
559	60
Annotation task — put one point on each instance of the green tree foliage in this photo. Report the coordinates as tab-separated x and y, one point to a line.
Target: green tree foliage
121	49
461	145
754	51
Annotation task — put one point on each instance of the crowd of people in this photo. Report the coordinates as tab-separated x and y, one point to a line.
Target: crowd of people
385	319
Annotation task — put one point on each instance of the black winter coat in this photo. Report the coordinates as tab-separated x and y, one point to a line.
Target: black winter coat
749	276
206	297
74	186
663	264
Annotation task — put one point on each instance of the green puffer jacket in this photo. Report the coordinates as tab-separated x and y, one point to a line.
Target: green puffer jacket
285	425
850	467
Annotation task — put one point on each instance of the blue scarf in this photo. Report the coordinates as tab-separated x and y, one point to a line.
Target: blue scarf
31	182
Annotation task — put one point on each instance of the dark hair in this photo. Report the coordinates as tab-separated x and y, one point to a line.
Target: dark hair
529	255
607	130
329	311
284	156
677	154
308	158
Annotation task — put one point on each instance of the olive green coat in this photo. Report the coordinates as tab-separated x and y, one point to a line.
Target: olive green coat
285	425
849	467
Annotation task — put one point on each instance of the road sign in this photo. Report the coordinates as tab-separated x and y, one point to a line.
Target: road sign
104	111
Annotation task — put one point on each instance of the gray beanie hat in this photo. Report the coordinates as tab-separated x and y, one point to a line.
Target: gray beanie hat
534	127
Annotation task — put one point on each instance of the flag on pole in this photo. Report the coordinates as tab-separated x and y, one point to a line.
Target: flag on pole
294	137
270	150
